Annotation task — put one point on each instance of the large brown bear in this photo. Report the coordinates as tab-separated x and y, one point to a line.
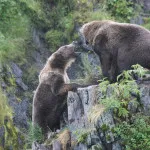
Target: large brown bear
49	100
118	45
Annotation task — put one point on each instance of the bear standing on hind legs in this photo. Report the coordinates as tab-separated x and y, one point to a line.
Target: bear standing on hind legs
118	45
49	100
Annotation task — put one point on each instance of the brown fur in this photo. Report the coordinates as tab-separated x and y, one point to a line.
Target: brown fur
57	64
49	100
118	45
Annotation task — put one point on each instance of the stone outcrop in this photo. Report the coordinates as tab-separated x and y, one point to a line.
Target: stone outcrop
85	115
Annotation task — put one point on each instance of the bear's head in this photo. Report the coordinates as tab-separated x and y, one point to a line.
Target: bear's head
89	31
63	57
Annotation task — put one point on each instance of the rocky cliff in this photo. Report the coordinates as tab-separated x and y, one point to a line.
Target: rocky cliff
89	125
19	79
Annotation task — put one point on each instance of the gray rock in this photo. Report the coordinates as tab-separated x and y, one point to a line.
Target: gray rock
116	146
138	20
79	109
17	72
79	104
21	111
38	36
21	84
147	6
99	136
3	85
96	147
93	139
145	98
36	146
2	136
81	147
57	145
78	71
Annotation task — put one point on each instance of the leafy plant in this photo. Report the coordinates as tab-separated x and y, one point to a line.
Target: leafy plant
89	75
54	39
147	23
82	134
14	30
121	9
6	111
131	129
120	93
11	133
135	135
34	133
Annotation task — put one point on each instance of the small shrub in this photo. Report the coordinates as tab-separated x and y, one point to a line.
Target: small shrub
67	24
95	113
91	74
6	111
121	9
132	130
101	14
135	135
11	133
82	134
147	23
119	94
54	38
34	133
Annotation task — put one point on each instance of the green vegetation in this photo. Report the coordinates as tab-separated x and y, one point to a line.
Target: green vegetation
14	30
65	19
82	134
121	92
4	107
58	20
11	134
121	9
89	76
147	23
34	133
135	135
54	37
132	128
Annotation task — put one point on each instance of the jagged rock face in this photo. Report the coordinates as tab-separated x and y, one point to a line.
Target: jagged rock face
147	5
80	106
36	146
77	69
145	97
14	83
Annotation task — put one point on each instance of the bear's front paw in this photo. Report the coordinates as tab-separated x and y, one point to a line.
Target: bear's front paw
75	87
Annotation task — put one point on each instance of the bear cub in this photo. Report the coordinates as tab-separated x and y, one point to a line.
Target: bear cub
49	100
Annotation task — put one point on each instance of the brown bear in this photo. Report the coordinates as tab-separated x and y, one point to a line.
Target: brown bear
49	100
118	45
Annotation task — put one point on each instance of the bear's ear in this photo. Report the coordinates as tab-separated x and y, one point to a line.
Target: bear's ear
100	41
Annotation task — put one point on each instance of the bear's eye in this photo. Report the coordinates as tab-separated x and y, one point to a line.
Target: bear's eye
87	42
